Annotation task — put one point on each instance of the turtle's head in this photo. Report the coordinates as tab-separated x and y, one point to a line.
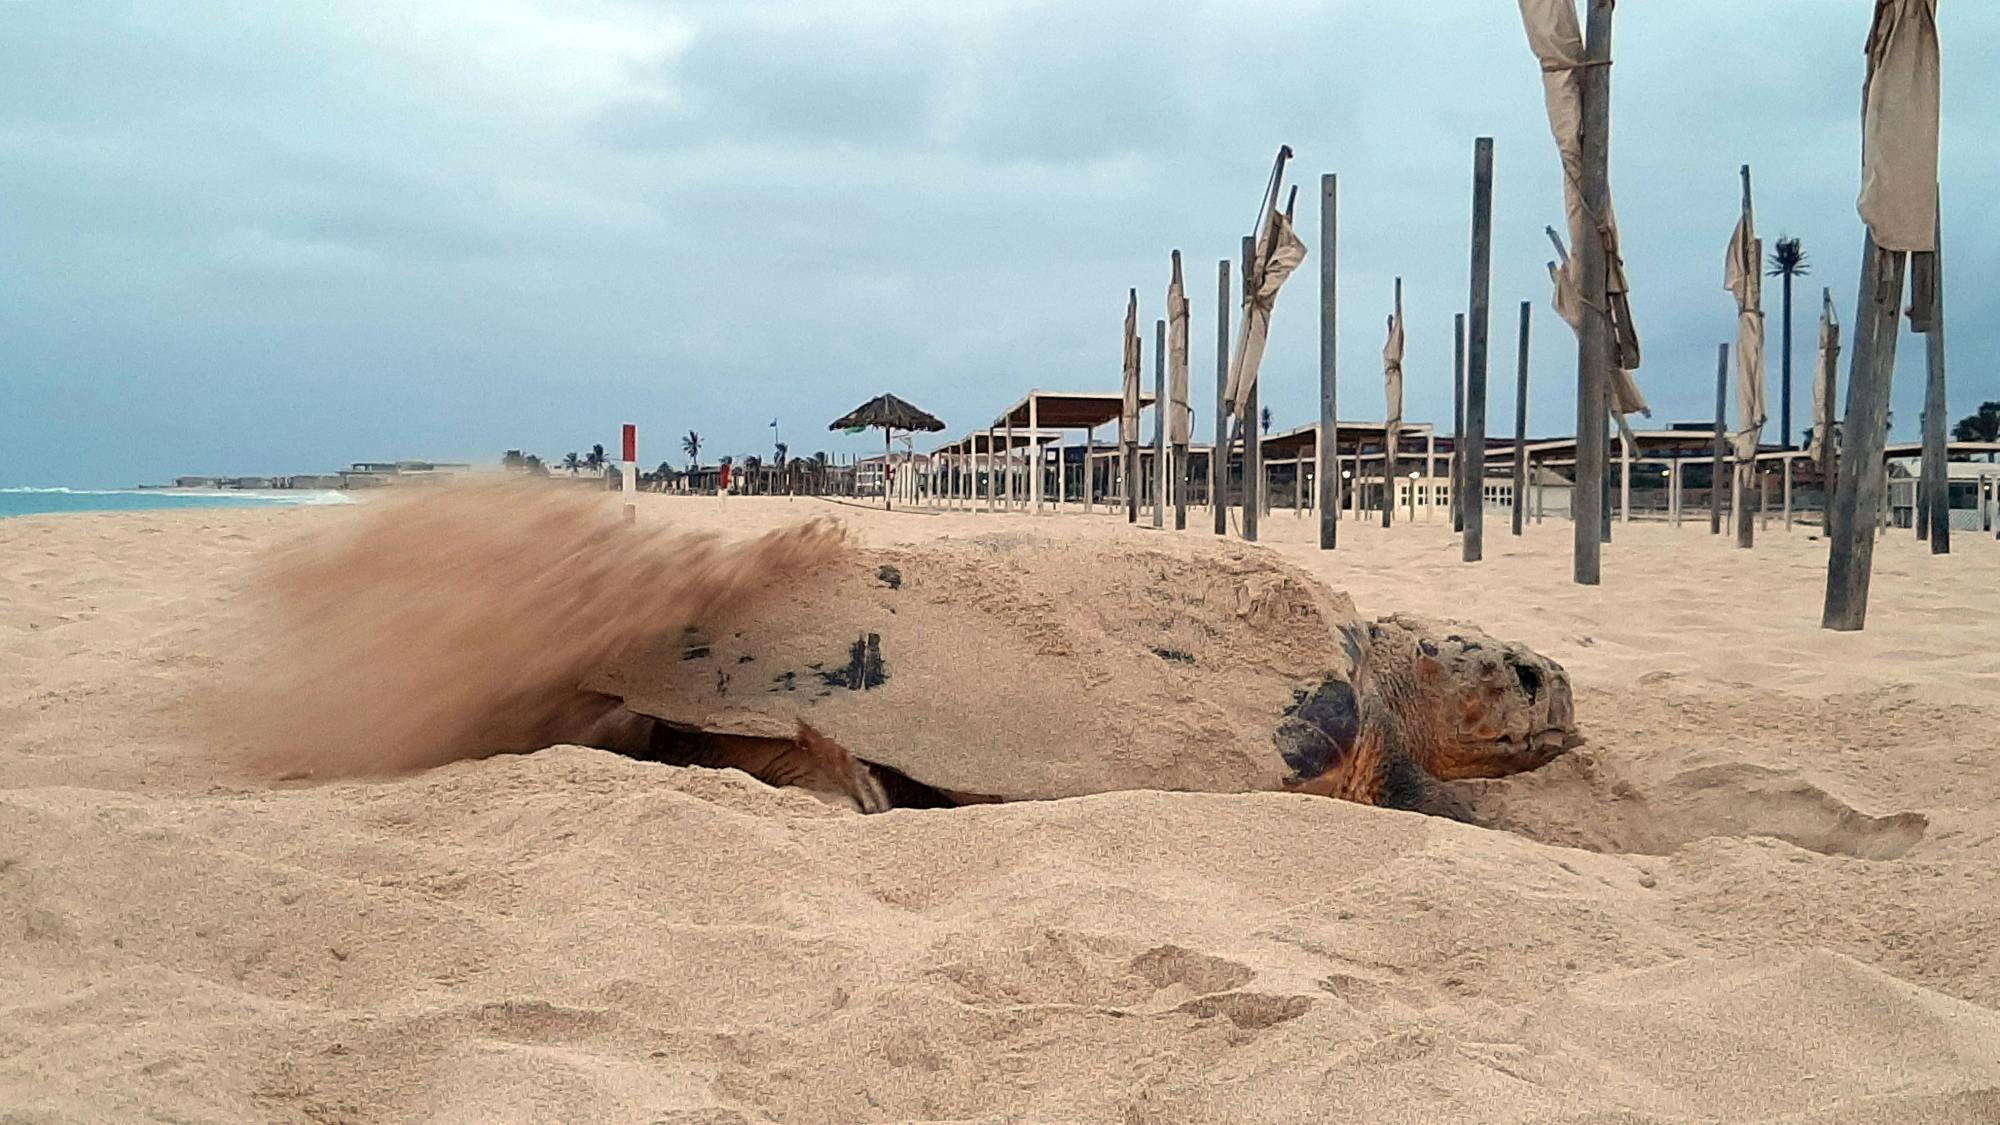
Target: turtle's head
1468	705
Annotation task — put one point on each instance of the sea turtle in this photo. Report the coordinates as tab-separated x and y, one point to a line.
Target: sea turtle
1020	666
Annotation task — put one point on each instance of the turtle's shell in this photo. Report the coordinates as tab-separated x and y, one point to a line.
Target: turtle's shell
1021	666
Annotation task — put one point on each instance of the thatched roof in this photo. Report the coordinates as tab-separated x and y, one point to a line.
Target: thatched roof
890	413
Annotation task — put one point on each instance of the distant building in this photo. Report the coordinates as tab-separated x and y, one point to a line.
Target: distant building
194	482
1972	493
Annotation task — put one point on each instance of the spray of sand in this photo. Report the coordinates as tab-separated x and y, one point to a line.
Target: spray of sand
459	624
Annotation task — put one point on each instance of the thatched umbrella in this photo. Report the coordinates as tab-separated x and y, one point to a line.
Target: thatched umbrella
889	414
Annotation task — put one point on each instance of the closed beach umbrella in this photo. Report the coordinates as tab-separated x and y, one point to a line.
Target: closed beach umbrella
1275	255
1392	372
1823	452
1899	126
1557	41
889	414
1743	278
1181	414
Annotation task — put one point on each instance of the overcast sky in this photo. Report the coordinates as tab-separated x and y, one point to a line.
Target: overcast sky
244	236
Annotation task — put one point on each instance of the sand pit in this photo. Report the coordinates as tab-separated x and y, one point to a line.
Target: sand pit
1762	891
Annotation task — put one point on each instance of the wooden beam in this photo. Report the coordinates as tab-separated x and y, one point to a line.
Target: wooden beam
1159	473
1328	438
1746	469
1253	445
1595	346
1721	439
1521	422
1039	459
1851	549
1474	545
1457	424
1218	454
1936	499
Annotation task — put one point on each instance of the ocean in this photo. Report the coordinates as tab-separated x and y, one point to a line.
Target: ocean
43	501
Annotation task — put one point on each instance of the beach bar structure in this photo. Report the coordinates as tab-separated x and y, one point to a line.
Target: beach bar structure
1007	464
1653	471
1044	453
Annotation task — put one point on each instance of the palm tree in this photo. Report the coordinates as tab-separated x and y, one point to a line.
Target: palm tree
594	461
1788	261
691	445
1983	426
751	464
1264	416
572	462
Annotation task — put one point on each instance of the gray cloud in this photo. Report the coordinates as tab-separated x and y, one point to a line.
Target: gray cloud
277	238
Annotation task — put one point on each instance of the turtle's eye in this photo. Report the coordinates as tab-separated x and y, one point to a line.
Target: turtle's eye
1318	732
1531	680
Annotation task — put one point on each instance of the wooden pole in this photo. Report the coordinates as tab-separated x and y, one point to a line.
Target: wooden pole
1521	422
1130	463
1458	423
1183	477
1430	470
1090	471
1012	492
1829	458
1721	439
1624	475
1595	346
1218	455
1062	471
1041	463
1937	499
1473	548
1787	463
1851	550
992	474
1253	444
1327	440
1159	473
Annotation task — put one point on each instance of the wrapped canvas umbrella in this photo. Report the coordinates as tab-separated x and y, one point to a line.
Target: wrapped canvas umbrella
1556	39
1576	89
1824	448
1744	277
889	414
1272	256
1277	254
1180	414
1392	395
1899	205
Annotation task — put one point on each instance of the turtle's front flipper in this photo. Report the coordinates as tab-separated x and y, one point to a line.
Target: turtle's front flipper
1338	748
839	766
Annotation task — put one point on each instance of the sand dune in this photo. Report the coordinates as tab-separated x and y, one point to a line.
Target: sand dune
1763	891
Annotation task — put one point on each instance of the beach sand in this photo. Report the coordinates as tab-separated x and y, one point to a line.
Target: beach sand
1767	888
